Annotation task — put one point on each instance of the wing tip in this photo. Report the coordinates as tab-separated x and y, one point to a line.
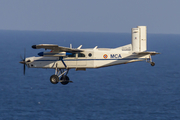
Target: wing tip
34	46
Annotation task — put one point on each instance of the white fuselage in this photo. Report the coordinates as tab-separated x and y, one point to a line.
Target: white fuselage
90	58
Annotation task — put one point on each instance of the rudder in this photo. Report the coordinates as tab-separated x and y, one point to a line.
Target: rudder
139	39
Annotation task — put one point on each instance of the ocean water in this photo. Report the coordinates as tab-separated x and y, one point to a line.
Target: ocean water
135	91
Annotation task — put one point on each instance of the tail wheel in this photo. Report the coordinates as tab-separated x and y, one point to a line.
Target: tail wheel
64	79
152	64
54	79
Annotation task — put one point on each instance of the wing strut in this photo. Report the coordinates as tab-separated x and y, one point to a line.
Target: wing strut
61	58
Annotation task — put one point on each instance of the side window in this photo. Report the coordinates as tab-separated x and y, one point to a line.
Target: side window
89	54
73	55
81	55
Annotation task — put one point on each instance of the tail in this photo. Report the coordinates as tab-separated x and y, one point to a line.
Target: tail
139	39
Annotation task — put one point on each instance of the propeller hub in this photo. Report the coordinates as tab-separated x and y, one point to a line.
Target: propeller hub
22	62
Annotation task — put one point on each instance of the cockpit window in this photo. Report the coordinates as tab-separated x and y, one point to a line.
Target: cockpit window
81	55
73	55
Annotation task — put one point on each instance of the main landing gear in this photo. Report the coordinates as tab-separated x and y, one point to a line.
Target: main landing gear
150	61
62	78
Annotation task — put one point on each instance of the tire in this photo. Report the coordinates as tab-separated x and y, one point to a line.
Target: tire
152	64
54	79
64	79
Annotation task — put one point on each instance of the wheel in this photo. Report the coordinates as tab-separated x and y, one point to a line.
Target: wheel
64	79
152	64
54	79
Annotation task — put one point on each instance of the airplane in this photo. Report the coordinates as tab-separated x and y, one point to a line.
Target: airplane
62	59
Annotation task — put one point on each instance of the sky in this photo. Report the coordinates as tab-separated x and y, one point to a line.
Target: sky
119	16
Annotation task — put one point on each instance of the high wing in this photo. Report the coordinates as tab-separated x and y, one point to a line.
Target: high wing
56	48
147	52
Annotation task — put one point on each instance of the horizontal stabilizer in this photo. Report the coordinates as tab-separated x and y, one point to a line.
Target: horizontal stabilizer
146	52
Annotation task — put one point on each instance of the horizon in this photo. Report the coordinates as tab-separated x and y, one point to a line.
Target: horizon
88	32
115	16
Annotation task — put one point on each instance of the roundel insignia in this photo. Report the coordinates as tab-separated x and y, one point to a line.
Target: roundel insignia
105	56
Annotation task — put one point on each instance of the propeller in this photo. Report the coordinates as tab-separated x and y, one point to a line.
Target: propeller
23	61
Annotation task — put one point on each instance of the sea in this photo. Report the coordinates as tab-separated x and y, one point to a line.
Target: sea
134	91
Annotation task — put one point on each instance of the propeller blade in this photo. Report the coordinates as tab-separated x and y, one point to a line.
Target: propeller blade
24	53
21	57
23	61
24	68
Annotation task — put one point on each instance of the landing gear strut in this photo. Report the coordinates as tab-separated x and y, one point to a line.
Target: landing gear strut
150	61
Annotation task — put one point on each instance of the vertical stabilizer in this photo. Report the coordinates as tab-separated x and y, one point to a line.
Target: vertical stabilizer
139	39
143	38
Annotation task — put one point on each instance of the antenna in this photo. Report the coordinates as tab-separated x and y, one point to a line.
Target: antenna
95	47
79	47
